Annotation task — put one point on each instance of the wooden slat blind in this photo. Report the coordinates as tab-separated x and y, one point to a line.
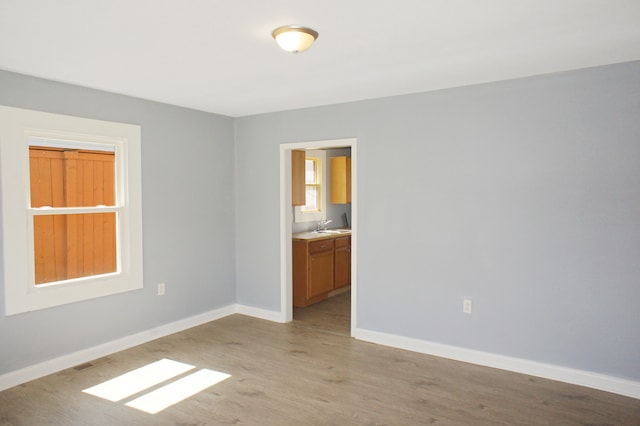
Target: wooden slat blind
72	245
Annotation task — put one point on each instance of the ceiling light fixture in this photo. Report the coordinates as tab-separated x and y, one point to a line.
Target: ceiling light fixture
293	38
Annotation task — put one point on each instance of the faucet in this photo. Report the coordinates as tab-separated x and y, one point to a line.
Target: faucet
322	225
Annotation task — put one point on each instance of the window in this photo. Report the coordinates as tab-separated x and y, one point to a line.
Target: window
312	185
315	195
71	208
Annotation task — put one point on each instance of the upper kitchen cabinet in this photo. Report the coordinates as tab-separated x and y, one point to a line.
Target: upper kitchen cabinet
341	180
297	178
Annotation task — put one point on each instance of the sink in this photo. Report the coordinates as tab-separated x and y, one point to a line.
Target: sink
333	231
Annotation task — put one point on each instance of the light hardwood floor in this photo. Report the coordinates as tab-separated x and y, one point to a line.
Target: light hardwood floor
300	374
332	315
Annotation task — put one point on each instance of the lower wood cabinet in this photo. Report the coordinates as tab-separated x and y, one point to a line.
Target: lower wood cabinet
321	262
342	262
320	266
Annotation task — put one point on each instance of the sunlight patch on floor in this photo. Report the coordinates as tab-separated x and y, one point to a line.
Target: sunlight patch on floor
138	380
153	374
177	391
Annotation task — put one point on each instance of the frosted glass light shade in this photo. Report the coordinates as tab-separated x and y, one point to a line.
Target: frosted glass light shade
294	39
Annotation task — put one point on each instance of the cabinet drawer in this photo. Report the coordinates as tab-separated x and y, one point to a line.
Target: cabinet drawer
342	242
320	246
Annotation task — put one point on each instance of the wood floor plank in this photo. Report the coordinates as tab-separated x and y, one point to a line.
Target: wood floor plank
293	374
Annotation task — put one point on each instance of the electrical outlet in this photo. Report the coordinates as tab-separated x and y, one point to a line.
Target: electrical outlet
466	306
161	289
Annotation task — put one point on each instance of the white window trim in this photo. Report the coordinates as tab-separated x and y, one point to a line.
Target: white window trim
314	216
17	127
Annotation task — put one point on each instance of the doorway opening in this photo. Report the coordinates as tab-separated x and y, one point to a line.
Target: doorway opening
287	225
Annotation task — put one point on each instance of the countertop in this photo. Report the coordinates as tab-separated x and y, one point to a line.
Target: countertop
313	235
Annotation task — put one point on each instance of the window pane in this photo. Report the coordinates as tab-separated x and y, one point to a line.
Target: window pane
311	199
310	171
73	246
61	177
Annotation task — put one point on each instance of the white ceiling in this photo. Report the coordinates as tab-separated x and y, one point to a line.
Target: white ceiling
218	56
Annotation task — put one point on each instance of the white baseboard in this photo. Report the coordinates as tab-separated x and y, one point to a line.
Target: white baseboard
275	316
547	371
42	369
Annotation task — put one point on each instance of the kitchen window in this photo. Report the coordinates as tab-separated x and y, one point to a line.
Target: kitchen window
315	184
71	200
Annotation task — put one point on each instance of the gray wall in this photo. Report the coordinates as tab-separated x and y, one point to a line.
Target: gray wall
188	224
522	195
